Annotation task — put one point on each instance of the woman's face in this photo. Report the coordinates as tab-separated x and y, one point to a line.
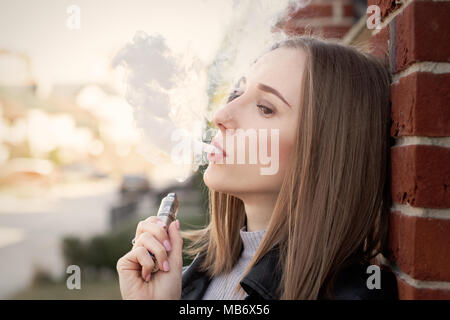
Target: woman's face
267	97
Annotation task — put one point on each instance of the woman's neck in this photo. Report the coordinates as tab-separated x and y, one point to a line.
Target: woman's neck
258	209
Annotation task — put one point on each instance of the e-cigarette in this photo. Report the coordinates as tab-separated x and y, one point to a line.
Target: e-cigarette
167	213
168	208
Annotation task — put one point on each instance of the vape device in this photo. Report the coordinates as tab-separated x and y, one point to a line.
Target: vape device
168	208
167	213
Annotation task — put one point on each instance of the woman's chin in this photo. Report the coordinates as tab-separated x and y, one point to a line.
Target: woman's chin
208	176
214	177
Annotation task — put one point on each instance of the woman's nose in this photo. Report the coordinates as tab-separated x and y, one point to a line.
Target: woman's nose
223	119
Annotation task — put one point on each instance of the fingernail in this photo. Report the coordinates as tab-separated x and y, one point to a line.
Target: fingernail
166	266
177	224
147	279
166	244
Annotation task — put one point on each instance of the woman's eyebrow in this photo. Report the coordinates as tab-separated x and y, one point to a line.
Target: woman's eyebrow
266	88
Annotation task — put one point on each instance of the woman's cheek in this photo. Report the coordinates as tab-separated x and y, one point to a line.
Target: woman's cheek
285	151
286	145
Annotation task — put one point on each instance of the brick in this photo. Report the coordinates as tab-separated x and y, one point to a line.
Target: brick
313	11
421	176
334	31
379	43
407	292
386	6
421	33
420	105
420	246
295	30
322	31
348	10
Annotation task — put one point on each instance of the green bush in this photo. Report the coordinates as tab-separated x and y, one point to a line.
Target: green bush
73	251
99	252
41	276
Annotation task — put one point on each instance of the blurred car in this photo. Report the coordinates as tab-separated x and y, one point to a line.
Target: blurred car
134	184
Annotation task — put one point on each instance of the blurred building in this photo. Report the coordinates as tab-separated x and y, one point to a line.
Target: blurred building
80	130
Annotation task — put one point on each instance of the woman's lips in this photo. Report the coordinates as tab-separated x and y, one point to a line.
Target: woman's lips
216	156
215	143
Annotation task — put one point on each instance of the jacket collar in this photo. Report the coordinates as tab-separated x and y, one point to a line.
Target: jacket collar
262	280
194	282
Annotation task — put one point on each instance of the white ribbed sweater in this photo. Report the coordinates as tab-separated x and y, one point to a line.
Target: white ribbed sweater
223	286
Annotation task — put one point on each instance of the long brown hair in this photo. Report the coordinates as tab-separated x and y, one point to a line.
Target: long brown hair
333	205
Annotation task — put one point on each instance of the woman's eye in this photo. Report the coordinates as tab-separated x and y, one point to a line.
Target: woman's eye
233	96
266	111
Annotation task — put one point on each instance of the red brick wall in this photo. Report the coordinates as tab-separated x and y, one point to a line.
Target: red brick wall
327	18
416	37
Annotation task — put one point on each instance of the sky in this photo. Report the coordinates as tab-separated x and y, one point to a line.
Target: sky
59	54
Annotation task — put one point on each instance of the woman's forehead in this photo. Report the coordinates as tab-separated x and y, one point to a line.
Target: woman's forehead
281	60
281	69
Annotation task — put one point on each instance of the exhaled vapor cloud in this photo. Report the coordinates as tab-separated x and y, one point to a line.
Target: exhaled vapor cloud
169	92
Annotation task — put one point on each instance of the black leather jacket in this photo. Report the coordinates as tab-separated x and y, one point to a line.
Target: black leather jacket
263	279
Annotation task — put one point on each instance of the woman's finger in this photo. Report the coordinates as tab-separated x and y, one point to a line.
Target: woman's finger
149	242
137	260
175	256
154	226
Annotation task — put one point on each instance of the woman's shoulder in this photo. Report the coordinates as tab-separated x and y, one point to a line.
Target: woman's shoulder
365	282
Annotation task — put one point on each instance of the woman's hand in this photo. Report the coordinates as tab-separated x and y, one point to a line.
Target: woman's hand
134	268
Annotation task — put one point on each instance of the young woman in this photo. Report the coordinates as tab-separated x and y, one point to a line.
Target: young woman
312	229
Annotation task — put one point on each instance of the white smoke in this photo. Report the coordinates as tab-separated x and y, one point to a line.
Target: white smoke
169	91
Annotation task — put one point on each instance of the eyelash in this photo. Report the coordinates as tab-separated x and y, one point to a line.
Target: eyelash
263	108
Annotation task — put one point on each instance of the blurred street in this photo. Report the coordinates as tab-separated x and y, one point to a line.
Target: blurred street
31	228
